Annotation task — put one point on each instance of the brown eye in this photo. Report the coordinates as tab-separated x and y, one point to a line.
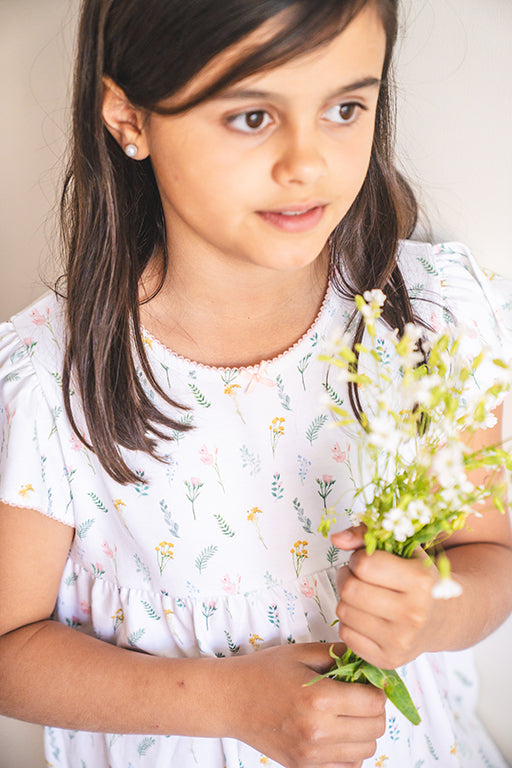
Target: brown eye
255	119
347	112
251	121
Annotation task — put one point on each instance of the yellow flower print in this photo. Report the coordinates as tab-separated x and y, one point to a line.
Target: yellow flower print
118	618
251	516
25	490
381	761
264	760
164	553
255	641
118	504
276	432
453	750
147	340
230	389
299	553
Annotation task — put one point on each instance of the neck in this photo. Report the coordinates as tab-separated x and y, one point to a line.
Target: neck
234	316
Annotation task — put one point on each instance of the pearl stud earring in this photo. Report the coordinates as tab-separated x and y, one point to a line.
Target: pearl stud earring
131	150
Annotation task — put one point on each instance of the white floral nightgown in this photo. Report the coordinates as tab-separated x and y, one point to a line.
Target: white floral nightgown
215	551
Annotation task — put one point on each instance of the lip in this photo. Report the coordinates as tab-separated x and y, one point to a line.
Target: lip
297	217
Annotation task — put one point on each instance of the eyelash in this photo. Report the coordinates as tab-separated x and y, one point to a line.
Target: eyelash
232	119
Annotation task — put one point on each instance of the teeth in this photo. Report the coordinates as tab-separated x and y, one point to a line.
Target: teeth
292	213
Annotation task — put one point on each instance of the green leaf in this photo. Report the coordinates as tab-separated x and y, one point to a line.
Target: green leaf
394	688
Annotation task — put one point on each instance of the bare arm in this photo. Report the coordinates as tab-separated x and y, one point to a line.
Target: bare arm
386	611
56	675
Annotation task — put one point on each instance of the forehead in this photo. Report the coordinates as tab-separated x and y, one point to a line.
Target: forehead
357	50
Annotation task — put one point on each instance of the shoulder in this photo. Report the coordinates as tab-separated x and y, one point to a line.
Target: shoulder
456	291
33	429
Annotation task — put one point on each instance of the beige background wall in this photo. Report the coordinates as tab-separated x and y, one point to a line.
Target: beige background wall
455	106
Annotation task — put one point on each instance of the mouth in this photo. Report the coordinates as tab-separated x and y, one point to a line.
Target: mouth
295	218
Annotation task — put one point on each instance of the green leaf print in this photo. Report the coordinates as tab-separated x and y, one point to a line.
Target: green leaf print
224	527
431	748
303	519
142	568
231	645
448	317
97	502
206	555
145	745
273	615
250	460
14	376
84	528
336	399
134	637
150	611
283	397
277	487
333	554
56	412
186	420
416	290
171	524
302	367
427	266
314	428
200	398
58	378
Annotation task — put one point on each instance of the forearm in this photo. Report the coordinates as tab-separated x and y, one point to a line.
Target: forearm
54	675
484	571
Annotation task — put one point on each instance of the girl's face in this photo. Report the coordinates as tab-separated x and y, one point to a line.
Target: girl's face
264	172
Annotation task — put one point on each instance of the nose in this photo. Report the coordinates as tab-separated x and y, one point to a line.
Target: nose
300	160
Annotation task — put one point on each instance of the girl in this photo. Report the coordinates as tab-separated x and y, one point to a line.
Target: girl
165	456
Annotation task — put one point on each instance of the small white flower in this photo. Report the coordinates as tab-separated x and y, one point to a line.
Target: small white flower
383	432
375	297
446	588
418	510
448	466
397	521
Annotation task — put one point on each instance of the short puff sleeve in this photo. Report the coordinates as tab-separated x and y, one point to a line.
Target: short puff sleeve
33	471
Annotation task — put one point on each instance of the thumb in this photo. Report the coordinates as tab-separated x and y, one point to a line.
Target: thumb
350	538
317	656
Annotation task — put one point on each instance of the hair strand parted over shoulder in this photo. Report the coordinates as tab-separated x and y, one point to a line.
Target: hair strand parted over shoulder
111	212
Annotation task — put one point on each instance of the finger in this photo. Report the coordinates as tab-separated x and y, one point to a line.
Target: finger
392	572
350	538
368	598
342	574
365	647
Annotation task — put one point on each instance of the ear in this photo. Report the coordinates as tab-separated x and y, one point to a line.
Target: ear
122	119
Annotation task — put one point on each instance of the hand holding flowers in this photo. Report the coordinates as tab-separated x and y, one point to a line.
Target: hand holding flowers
414	488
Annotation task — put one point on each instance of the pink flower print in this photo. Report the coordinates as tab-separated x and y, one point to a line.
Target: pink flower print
306	588
327	479
37	318
211	460
107	551
229	585
205	456
75	443
337	454
193	486
85	607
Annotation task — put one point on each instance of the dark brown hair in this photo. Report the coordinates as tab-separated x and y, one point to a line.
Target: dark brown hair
112	217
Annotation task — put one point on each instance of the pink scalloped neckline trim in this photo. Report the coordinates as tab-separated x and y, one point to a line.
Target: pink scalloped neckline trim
250	368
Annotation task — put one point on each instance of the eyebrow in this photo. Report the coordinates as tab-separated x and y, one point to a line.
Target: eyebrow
365	82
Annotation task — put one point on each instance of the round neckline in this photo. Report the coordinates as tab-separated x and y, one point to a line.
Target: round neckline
188	362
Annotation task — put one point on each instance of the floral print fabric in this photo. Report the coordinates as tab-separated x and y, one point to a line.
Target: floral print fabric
215	551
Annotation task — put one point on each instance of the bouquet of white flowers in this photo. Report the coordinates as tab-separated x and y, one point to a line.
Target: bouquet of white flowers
413	463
